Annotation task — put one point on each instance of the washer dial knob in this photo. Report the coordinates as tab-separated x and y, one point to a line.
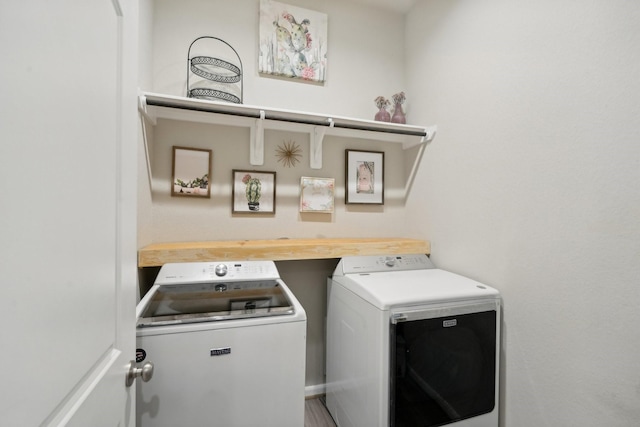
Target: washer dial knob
221	270
390	261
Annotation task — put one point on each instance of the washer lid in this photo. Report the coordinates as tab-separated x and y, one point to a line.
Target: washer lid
213	301
195	292
385	290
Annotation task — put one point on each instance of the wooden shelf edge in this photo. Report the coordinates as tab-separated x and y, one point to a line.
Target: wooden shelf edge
158	254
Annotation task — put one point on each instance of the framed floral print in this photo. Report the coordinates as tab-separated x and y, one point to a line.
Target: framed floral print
317	194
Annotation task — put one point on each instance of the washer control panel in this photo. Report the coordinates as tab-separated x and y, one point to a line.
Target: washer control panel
195	272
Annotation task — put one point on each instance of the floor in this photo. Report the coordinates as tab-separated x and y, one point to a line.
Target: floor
316	414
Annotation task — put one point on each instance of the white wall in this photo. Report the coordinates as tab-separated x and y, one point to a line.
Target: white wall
365	55
532	186
145	73
365	59
307	279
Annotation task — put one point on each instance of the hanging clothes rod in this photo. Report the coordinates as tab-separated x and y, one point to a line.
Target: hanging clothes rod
422	133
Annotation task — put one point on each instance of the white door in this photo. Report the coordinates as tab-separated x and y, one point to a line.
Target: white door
67	211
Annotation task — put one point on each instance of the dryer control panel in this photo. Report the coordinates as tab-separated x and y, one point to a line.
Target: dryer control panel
375	263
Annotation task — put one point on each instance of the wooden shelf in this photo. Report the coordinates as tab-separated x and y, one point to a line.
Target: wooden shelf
157	254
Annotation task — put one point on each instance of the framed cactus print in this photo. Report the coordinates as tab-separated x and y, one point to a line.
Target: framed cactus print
190	172
364	174
253	192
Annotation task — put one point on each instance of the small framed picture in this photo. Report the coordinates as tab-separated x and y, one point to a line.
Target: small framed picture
253	192
191	172
317	194
364	175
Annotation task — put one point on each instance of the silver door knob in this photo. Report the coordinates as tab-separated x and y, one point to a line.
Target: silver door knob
146	372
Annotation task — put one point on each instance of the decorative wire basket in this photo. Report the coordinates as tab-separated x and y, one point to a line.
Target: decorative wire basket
213	78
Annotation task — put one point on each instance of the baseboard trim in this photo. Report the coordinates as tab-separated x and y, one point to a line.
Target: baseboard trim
312	391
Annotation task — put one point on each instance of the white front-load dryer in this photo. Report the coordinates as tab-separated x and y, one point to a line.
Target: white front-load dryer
410	345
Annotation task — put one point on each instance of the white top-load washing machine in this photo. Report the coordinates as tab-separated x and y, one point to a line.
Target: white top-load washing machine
227	341
410	345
